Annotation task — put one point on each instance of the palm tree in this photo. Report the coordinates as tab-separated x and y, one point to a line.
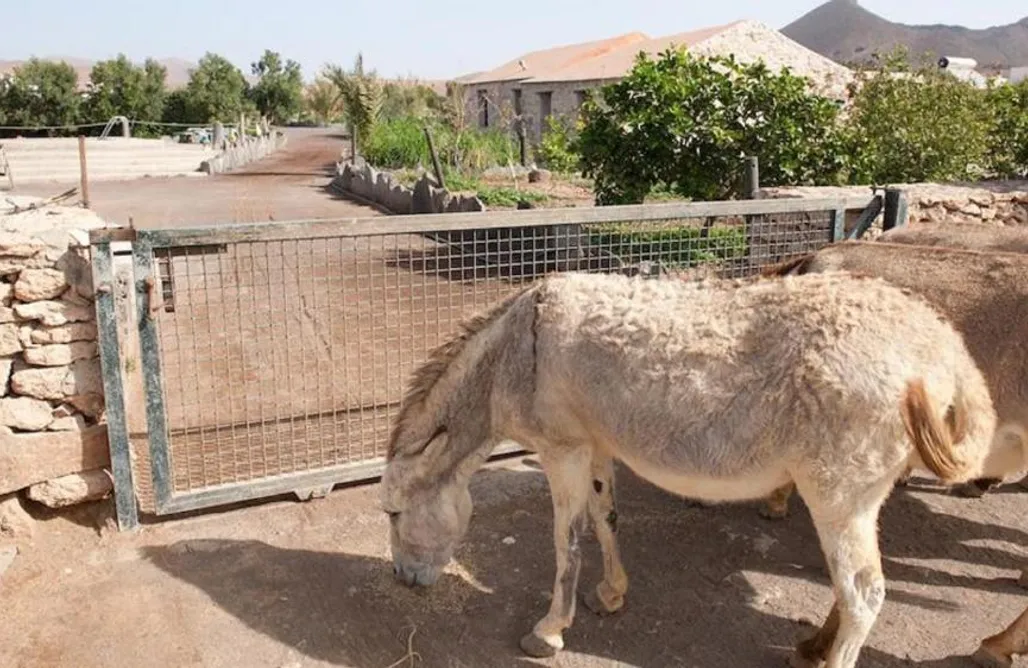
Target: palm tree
322	100
360	94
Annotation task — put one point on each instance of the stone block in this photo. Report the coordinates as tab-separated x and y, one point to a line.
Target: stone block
25	413
47	383
13	244
60	354
10	342
54	314
72	489
77	331
26	459
14	521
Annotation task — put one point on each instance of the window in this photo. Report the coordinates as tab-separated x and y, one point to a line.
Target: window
545	105
517	101
579	98
483	109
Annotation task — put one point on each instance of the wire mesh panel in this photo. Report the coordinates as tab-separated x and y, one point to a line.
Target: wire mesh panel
274	358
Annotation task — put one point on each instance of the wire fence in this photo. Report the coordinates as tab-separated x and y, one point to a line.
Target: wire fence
287	356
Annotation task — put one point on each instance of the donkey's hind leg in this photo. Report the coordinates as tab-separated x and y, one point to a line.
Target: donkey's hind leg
609	595
848	536
776	505
568	472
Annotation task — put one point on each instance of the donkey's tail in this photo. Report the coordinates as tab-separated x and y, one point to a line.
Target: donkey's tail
934	437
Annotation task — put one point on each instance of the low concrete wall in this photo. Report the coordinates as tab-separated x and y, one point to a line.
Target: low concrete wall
249	149
1000	203
367	183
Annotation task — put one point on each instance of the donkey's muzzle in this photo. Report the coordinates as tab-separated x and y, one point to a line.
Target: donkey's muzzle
414	576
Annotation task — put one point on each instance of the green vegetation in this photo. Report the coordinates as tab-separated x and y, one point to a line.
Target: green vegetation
674	246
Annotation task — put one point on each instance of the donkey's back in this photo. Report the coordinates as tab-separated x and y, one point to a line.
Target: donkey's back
727	389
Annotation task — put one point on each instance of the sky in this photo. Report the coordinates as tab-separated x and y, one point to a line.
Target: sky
429	39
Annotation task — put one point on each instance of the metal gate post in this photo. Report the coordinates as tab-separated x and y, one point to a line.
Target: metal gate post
895	209
114	391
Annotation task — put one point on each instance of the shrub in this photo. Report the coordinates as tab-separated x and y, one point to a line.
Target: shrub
400	143
689	122
675	246
556	149
922	125
1008	137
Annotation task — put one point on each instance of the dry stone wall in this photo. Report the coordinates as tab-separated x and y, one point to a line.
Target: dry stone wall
1001	203
50	381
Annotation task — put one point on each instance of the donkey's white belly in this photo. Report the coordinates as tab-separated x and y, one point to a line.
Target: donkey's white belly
750	486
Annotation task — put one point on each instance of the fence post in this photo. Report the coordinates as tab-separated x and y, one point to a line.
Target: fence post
895	209
83	172
751	186
435	158
218	140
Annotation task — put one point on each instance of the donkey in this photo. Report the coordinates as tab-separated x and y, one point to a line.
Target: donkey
720	390
968	236
984	294
998	651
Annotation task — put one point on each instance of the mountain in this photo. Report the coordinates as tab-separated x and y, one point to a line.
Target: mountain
178	69
847	33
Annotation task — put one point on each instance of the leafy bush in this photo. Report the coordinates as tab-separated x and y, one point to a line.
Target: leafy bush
675	246
556	150
506	197
922	125
688	122
1008	138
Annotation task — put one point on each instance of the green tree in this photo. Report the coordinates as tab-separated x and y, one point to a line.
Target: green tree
1008	138
278	92
687	123
910	124
118	87
41	93
217	91
361	94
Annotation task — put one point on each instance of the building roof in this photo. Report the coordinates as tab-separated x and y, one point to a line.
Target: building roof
617	63
543	62
614	58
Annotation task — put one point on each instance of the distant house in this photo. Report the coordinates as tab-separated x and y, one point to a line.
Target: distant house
554	81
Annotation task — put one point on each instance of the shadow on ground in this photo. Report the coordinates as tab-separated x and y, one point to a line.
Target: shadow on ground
691	605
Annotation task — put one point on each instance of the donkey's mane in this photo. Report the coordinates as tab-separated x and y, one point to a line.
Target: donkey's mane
425	376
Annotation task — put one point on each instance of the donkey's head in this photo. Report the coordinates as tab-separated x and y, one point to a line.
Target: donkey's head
429	509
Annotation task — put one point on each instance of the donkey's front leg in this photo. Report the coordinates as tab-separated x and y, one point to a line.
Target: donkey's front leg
568	474
609	595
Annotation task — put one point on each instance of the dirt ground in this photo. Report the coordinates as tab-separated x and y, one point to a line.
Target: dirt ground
289	584
291	184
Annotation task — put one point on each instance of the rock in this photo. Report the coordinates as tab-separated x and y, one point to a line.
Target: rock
84	377
7	315
16	265
5	375
68	423
525	204
78	273
76	331
38	284
54	314
6	291
13	244
46	383
89	404
9	341
71	489
539	176
25	413
971	209
60	354
14	521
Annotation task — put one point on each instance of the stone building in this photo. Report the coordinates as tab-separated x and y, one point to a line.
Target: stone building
553	81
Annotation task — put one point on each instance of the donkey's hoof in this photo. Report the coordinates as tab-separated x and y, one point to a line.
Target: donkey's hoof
537	648
986	658
769	512
598	606
1024	579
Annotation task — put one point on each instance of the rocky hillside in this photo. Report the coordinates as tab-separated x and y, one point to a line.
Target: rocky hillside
847	33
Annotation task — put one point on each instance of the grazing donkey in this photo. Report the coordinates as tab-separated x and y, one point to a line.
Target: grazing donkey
721	391
968	236
985	295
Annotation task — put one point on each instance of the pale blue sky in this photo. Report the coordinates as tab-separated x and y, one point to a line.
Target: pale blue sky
426	38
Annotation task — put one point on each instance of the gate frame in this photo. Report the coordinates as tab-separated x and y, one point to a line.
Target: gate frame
317	483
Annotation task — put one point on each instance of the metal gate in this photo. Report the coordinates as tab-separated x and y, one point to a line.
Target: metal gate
246	361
